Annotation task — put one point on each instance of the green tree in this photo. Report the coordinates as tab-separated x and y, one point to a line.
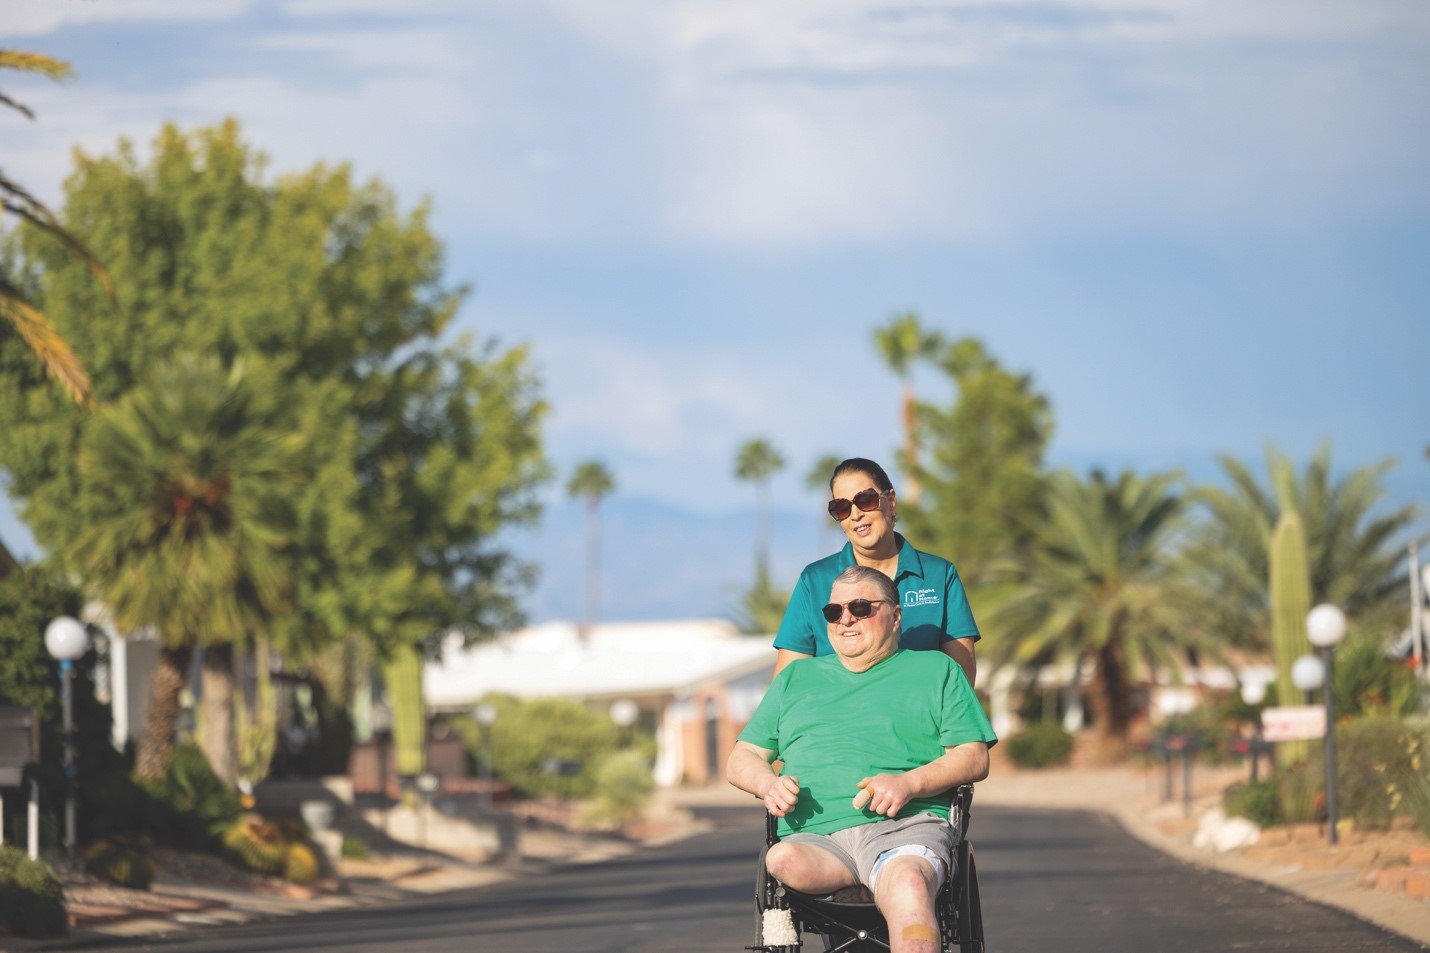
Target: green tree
422	446
1352	543
592	482
903	342
755	462
817	479
183	530
982	484
1098	594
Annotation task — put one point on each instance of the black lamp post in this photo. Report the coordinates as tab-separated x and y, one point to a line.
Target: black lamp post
66	640
1325	627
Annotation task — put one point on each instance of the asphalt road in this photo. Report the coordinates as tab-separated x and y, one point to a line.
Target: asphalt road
1051	881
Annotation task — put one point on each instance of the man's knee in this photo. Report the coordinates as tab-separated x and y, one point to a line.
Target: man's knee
788	864
907	879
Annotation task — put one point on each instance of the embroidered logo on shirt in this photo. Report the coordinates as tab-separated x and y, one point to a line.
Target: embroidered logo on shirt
921	597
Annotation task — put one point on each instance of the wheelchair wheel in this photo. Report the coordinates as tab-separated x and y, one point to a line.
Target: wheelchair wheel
970	910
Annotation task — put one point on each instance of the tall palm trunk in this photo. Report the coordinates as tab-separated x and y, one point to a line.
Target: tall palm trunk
161	722
216	736
1110	704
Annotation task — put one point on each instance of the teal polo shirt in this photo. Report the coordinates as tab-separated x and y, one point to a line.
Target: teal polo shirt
935	606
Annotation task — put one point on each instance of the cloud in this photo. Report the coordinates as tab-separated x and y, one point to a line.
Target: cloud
26	18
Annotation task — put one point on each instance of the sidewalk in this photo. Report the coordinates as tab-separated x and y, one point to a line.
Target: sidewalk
1364	875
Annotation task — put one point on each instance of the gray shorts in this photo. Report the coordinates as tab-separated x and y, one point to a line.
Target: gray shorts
864	848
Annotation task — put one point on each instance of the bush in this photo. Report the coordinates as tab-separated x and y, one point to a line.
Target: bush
547	746
191	808
623	789
1040	746
1374	770
32	900
122	861
355	848
1257	801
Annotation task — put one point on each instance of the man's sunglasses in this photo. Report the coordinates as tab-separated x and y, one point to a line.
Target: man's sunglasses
858	608
866	500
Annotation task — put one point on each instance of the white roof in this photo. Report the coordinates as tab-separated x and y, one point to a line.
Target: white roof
636	658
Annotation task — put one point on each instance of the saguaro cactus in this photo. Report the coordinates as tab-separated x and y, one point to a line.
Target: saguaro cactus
1290	601
403	674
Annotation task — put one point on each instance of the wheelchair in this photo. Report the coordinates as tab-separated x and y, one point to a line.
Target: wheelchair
849	922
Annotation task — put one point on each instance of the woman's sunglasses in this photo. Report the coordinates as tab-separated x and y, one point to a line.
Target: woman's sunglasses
858	608
866	500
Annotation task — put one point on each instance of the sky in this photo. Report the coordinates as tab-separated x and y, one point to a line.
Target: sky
1200	227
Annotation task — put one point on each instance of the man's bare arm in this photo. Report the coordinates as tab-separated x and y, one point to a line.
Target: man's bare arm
888	793
749	769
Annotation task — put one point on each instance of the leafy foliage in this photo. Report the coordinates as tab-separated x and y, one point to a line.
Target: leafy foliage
1350	538
1381	768
547	746
190	806
32	326
624	786
980	464
419	447
1257	801
1097	593
122	861
755	462
31	898
1040	745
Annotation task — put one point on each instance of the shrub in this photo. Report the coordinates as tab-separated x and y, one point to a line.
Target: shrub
355	848
191	807
32	900
1374	770
545	746
1257	801
122	861
1040	746
623	789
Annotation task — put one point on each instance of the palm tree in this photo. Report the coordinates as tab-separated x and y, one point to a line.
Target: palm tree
1098	594
1355	559
903	343
34	328
182	532
756	462
592	482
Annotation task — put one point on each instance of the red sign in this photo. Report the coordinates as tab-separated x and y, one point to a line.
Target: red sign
1293	723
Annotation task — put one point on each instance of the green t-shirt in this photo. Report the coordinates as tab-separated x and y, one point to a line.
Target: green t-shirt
833	728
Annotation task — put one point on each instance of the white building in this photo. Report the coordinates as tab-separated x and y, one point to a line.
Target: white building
694	682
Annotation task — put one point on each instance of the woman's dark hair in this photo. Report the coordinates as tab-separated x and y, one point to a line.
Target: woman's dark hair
865	466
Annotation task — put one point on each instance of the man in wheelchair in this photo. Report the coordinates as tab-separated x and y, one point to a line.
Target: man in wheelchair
872	740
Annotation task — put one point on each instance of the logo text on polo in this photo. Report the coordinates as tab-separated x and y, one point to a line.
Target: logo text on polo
921	597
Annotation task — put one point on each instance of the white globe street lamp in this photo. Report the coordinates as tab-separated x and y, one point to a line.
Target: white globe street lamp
1253	692
1325	627
1308	673
66	640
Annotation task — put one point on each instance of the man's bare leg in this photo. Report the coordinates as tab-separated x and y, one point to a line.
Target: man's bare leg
905	896
807	869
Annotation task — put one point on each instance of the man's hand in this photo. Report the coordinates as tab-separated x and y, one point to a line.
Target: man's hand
884	794
782	795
